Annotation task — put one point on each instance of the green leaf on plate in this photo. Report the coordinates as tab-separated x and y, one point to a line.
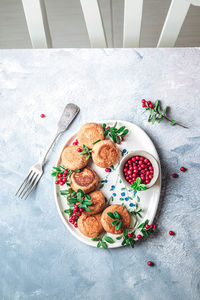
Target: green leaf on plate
104	245
108	239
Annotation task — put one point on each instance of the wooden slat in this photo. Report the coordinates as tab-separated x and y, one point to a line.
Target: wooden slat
173	23
132	23
94	23
38	27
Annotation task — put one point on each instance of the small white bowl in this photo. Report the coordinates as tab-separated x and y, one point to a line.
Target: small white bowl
145	154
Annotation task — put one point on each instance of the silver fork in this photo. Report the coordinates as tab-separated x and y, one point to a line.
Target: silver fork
35	173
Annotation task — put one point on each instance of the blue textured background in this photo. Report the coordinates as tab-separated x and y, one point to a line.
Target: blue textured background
40	259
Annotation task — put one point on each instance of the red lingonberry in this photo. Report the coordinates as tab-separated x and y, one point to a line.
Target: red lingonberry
42	116
171	232
149	263
174	175
183	169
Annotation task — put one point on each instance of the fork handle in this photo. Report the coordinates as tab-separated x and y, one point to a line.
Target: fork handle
69	114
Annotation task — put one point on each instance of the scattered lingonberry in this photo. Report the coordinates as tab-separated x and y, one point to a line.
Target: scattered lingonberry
171	232
174	175
183	169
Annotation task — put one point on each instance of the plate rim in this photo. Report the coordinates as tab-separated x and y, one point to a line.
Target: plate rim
80	238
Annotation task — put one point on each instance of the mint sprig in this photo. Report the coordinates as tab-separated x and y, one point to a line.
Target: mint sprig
137	186
117	219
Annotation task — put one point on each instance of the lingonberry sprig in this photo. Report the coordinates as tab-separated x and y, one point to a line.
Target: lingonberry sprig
146	229
128	238
86	151
62	175
117	219
77	198
117	135
137	185
157	114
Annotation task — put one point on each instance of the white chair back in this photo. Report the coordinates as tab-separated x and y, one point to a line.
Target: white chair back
38	27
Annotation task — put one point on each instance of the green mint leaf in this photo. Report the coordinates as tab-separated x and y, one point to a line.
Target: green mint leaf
87	202
172	122
77	171
123	242
96	142
108	239
125	232
160	120
87	196
124	132
53	173
116	215
119	237
105	132
96	239
141	225
154	119
110	215
104	245
121	129
113	136
104	125
83	152
88	156
138	181
132	243
156	105
117	139
165	110
64	192
57	169
99	244
115	222
115	125
118	226
86	208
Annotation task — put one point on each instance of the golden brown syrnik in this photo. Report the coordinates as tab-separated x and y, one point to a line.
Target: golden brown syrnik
105	153
106	221
86	180
90	225
90	133
71	158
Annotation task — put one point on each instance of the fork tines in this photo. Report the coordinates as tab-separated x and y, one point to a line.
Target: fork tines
28	184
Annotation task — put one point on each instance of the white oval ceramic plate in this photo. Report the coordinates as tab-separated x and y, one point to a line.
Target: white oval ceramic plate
113	188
